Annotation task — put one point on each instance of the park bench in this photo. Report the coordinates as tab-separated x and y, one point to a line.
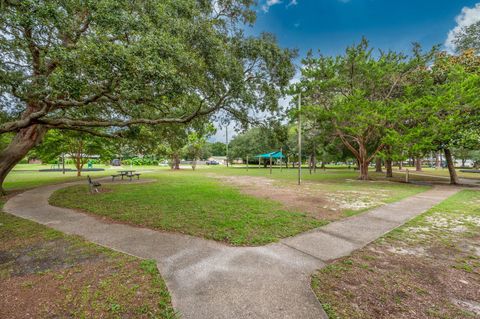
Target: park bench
92	185
116	175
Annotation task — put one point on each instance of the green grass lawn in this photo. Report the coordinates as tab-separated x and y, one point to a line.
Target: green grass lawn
331	175
338	174
428	268
195	203
190	203
444	172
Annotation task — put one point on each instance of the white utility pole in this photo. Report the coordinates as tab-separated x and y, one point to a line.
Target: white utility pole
299	139
226	139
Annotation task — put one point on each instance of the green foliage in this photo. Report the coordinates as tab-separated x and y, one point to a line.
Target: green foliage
441	111
254	141
140	161
196	147
217	149
468	38
354	96
76	145
109	67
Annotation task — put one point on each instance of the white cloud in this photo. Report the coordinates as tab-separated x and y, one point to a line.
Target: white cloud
467	17
270	3
292	3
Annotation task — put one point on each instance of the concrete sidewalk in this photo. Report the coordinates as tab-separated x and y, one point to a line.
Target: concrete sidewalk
210	280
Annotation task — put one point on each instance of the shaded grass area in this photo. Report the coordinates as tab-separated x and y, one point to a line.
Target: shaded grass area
428	268
192	204
18	180
45	274
27	175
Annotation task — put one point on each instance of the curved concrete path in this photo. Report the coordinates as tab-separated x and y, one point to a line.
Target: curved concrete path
210	280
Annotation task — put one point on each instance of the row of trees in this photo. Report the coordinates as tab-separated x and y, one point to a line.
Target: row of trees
382	106
82	147
391	105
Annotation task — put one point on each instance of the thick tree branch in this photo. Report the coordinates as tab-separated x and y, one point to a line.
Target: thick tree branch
379	148
347	143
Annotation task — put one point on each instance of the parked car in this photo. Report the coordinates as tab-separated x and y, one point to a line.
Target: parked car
212	162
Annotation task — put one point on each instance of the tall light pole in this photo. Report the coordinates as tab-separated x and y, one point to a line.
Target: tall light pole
63	163
281	159
299	138
226	139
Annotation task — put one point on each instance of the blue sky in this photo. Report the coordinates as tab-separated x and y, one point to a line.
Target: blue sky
331	25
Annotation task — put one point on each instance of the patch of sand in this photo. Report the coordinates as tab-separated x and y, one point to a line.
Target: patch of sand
296	198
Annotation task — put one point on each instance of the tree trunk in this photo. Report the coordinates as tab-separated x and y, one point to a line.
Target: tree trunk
464	160
363	162
388	166
175	161
78	158
451	167
310	164
25	140
78	164
400	165
438	161
378	165
194	164
418	164
364	170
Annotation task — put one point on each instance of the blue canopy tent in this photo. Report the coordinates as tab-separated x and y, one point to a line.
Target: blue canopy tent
271	156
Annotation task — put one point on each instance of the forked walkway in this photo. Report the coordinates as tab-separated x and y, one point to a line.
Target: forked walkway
210	280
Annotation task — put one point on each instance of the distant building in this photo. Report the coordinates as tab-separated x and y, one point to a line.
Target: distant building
221	159
35	161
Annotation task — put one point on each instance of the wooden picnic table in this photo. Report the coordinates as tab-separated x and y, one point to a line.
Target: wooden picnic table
128	173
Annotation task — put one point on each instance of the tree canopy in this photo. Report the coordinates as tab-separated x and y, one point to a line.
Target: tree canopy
117	64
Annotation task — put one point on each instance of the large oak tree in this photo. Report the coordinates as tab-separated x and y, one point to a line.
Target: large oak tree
115	64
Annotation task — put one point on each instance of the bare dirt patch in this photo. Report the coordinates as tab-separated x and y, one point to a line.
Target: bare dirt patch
293	198
309	198
383	284
45	274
